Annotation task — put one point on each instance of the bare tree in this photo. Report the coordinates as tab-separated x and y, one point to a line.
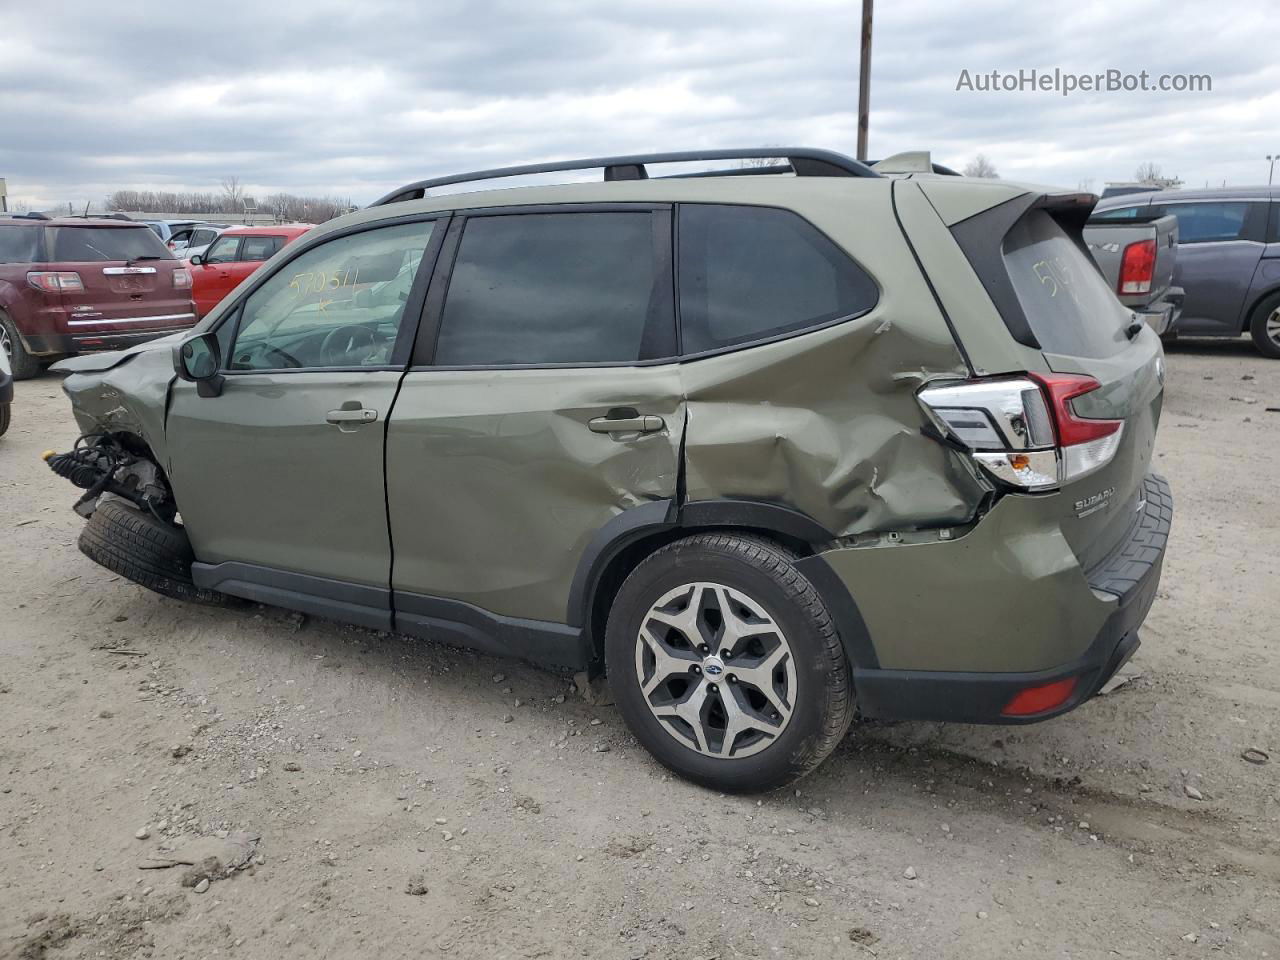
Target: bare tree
233	194
1148	172
981	166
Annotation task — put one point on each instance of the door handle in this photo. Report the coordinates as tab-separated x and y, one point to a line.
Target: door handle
639	424
352	416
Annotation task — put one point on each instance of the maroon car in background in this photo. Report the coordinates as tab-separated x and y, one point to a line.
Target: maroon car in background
71	284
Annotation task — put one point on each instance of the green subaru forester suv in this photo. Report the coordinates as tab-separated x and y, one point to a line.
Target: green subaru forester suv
769	445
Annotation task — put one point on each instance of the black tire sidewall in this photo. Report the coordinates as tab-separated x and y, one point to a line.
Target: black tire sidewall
779	763
24	365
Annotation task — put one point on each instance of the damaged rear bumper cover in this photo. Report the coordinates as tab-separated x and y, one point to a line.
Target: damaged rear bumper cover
1124	585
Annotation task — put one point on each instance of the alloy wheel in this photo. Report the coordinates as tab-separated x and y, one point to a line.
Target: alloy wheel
716	670
5	343
1272	327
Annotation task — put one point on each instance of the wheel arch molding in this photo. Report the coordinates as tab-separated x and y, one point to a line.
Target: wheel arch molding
628	537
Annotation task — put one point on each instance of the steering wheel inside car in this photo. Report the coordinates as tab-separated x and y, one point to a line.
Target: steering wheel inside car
341	343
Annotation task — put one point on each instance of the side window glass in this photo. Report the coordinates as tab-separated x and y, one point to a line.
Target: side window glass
1209	222
259	248
557	288
1120	213
747	273
339	304
224	251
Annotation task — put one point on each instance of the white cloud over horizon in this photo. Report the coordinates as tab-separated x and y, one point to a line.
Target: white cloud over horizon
353	100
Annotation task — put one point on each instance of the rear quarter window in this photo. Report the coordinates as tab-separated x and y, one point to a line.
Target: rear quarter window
1068	305
752	273
19	244
92	244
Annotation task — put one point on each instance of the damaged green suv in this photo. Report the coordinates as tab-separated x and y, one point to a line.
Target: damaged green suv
769	445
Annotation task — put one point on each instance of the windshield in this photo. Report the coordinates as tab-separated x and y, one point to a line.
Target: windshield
1068	305
19	244
91	244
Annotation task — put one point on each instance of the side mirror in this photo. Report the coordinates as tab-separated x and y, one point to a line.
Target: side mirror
198	360
197	259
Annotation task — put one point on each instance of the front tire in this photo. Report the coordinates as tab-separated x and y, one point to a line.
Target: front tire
726	664
1264	328
143	548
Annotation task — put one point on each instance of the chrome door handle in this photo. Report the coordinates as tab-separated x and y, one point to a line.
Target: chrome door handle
351	416
645	424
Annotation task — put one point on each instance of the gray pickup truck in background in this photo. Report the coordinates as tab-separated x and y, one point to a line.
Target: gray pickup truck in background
1137	255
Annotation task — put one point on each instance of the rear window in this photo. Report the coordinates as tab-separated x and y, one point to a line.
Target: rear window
91	244
1209	222
1068	305
749	273
19	244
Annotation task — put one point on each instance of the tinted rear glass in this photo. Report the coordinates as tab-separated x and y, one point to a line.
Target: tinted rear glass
1209	222
557	288
91	244
748	273
1069	306
19	244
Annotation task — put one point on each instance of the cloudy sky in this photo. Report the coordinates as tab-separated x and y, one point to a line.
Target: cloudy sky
353	98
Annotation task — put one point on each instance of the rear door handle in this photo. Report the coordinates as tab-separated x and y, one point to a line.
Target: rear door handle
352	416
639	424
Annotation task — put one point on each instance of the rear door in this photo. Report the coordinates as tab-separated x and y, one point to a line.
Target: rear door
279	479
127	275
1219	245
542	401
1083	329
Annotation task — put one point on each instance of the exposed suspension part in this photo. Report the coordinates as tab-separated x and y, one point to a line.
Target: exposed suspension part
99	463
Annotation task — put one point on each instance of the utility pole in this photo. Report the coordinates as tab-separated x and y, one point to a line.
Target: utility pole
864	80
1272	158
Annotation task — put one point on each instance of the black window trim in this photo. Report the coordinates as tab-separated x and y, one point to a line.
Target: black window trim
411	319
423	357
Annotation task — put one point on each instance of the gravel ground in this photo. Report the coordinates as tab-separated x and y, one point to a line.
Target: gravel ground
392	798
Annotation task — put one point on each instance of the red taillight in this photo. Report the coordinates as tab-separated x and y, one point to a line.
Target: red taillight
1137	267
56	281
1033	700
1062	388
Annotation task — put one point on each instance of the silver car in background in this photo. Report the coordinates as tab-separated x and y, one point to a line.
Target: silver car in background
1228	258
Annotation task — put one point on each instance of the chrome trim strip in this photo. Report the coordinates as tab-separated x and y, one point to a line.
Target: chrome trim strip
126	271
167	316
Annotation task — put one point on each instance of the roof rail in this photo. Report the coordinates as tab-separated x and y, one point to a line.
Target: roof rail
31	215
803	161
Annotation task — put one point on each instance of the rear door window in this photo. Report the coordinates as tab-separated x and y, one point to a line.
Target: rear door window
260	248
565	288
91	244
750	273
1209	222
1068	305
20	244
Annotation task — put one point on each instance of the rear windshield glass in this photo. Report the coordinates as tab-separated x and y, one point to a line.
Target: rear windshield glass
19	244
1068	305
90	244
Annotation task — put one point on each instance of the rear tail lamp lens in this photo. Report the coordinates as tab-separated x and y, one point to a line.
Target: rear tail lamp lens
182	278
56	281
1137	267
1034	700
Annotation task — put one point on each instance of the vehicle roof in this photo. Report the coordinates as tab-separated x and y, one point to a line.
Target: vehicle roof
75	222
1212	193
283	229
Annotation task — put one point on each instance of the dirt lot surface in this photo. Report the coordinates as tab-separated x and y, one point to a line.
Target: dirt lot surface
415	800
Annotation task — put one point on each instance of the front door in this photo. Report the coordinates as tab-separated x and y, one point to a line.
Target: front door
548	405
213	279
281	475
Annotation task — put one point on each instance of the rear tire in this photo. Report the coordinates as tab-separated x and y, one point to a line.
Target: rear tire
144	549
24	365
768	698
4	418
1264	327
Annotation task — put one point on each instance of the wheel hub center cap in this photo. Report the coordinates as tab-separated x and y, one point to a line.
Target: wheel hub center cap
712	667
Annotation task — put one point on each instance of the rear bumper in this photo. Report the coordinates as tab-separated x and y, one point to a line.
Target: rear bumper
102	337
1126	582
1162	316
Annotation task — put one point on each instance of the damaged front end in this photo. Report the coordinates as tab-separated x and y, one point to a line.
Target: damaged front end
104	463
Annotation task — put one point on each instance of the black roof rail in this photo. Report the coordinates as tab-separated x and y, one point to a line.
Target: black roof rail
32	215
803	161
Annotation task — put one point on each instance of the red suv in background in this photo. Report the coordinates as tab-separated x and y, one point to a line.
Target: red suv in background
234	256
73	284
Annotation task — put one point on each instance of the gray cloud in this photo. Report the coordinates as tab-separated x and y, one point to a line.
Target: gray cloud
354	99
